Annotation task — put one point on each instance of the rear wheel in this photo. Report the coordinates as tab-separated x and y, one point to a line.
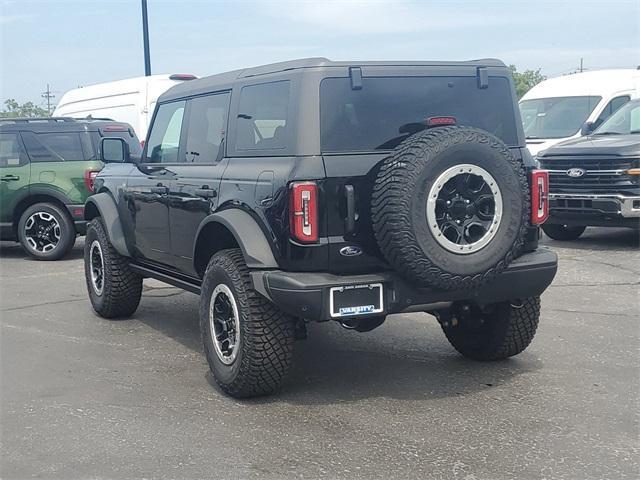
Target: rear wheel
248	342
562	232
114	289
492	332
46	232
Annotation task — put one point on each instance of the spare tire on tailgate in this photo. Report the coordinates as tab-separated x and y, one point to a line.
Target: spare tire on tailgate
450	207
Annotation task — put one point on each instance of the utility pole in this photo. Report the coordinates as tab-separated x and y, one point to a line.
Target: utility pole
48	95
581	69
145	39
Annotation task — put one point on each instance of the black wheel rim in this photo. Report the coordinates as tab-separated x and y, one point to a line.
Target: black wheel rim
464	208
96	266
42	232
224	324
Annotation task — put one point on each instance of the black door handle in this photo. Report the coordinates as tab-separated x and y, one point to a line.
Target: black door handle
159	189
205	193
8	178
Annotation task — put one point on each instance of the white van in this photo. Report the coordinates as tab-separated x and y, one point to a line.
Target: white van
131	100
573	105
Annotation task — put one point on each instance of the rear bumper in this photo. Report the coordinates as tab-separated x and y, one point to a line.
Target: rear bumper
77	214
594	209
307	295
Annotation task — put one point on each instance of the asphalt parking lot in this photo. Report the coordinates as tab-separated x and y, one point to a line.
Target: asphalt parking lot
84	397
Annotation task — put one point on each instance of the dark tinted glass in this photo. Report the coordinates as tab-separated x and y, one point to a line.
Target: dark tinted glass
53	147
387	110
10	151
164	139
262	117
206	128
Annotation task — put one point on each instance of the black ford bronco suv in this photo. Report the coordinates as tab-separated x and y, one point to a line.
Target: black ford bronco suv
595	179
314	190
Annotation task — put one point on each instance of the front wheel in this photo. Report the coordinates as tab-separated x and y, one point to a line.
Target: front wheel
492	332
562	232
248	342
114	289
46	232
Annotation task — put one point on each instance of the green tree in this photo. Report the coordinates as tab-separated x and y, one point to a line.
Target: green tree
13	109
526	80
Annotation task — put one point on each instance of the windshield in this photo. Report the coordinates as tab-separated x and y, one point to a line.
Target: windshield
557	117
386	110
624	121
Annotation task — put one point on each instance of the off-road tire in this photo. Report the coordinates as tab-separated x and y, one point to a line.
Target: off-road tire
399	200
495	332
562	232
267	335
122	287
67	231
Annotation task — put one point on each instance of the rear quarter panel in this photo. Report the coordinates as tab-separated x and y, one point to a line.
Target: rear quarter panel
64	178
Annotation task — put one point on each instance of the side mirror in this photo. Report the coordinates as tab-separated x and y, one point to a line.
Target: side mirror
114	150
587	128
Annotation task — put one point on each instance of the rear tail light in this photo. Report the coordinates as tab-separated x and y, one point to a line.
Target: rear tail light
303	211
89	178
539	196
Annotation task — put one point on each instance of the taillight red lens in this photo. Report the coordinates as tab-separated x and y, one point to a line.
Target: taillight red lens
303	211
89	177
440	121
539	196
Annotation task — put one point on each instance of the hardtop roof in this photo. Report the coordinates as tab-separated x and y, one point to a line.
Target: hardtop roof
55	124
225	80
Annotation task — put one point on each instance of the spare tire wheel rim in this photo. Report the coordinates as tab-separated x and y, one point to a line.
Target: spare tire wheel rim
464	208
224	324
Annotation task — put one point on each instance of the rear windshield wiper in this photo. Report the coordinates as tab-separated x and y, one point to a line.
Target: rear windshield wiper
634	131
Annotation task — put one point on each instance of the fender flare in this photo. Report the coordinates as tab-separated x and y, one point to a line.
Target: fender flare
248	234
108	211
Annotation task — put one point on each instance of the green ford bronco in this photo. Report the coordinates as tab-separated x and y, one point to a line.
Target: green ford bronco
47	167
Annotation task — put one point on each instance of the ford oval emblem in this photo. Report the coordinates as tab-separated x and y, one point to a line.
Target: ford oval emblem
576	172
350	251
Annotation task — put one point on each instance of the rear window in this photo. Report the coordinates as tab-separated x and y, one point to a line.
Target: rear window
262	117
53	147
389	109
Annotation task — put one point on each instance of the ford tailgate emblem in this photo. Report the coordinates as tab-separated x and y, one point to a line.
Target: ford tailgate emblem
576	172
350	251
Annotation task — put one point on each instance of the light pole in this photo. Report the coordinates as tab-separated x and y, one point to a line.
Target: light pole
145	39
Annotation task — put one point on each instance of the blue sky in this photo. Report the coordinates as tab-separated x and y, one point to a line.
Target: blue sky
67	43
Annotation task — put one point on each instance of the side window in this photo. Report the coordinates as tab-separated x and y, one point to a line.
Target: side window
206	129
611	107
11	154
164	139
262	117
53	147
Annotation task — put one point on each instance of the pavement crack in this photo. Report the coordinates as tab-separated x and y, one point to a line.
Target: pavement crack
34	305
606	314
606	264
622	284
